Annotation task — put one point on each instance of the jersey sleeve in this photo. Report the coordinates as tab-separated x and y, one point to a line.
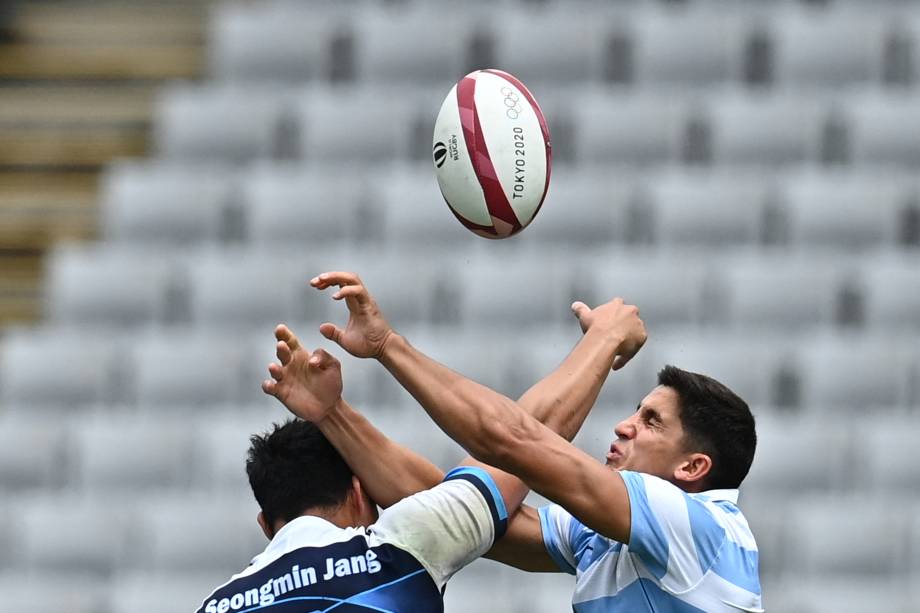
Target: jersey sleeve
565	538
674	535
448	526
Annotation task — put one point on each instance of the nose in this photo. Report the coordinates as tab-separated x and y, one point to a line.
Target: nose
626	429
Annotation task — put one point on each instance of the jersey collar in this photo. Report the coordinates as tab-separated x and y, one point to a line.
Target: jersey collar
718	495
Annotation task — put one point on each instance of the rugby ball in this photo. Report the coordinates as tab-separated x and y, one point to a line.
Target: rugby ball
492	153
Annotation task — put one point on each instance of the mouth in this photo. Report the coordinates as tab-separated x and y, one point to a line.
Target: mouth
615	453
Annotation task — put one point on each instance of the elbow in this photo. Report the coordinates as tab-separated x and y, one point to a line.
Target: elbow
503	441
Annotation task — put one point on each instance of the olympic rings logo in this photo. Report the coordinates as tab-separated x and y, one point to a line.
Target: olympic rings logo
513	108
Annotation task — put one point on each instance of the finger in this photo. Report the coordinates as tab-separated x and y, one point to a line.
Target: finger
283	333
358	292
341	279
619	362
284	353
270	387
331	331
583	313
323	360
580	308
276	371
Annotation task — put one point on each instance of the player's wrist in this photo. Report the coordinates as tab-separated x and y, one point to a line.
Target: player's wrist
389	345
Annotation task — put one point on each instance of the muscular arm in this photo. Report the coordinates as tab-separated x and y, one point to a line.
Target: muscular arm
561	400
499	432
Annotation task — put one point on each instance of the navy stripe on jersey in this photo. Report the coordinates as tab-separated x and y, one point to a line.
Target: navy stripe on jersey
486	486
348	577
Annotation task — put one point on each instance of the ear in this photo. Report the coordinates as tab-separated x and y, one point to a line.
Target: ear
693	469
263	523
364	507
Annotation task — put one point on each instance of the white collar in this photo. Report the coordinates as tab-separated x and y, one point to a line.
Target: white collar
719	495
304	531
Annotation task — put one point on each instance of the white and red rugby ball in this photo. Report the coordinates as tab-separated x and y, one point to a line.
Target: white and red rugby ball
492	153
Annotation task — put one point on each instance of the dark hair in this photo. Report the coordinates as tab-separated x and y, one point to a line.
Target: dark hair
717	422
294	468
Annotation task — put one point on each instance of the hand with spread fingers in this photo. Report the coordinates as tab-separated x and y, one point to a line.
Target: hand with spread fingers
367	332
308	384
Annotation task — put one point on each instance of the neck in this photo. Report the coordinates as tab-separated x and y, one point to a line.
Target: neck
338	516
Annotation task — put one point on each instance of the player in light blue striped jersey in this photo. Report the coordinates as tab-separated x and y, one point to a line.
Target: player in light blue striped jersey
656	528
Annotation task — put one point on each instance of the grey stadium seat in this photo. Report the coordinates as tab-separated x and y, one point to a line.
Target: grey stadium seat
542	46
890	467
666	294
708	209
127	453
225	123
303	205
522	290
883	126
109	286
82	362
830	543
253	287
141	592
357	125
678	48
727	358
630	128
828	48
184	368
586	208
858	372
165	202
280	42
840	595
382	55
201	533
53	592
414	211
32	453
772	129
797	454
843	209
893	292
223	440
90	538
783	291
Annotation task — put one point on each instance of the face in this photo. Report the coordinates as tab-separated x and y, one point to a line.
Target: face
651	439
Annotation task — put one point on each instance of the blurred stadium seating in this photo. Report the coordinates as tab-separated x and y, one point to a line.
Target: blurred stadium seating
745	172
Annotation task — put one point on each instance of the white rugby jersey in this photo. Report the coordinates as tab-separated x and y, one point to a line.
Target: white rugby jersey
688	553
398	565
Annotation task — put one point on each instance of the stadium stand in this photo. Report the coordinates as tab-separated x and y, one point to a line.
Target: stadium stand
745	174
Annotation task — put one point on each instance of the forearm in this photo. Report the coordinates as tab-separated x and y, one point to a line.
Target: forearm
391	471
478	418
562	400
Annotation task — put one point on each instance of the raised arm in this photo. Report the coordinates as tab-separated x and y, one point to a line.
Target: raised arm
493	428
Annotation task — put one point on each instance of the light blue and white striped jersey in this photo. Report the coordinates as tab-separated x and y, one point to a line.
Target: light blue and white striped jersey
688	553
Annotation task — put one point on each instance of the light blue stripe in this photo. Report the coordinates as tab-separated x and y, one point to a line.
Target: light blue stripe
350	599
338	601
551	543
708	535
640	596
646	539
488	481
738	565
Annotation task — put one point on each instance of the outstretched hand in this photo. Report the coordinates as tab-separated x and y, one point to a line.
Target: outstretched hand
619	319
367	332
308	384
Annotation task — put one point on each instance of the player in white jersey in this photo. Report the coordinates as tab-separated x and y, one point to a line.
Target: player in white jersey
657	529
329	549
